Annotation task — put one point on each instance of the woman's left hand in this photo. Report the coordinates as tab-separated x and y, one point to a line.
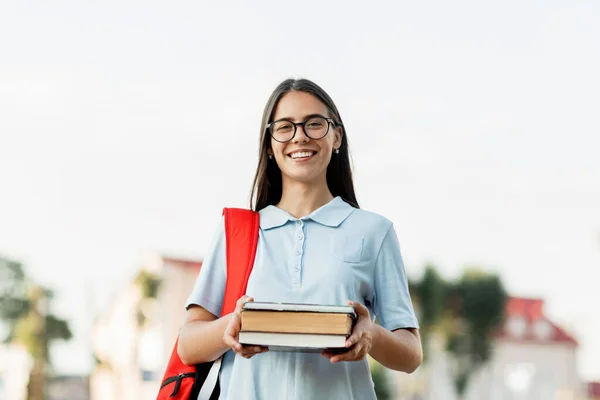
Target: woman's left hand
361	341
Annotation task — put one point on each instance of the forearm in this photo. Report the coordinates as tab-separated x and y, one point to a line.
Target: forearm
202	341
399	350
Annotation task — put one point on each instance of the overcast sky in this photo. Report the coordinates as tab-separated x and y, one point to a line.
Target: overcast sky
125	127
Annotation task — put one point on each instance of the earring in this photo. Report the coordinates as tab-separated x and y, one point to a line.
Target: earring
270	156
336	151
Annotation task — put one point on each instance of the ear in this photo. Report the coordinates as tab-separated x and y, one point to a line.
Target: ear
339	134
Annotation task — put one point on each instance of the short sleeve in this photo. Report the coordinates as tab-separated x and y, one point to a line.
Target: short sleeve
392	303
209	289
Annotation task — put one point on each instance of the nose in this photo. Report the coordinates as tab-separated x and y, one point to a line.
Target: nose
300	136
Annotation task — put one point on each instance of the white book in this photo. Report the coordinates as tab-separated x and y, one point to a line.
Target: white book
320	308
298	342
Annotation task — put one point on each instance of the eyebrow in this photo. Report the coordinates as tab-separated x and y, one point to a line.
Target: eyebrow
304	118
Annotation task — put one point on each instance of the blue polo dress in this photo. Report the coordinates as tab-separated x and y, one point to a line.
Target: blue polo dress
334	254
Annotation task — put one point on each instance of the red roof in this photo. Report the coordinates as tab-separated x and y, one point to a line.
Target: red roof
183	263
593	389
531	311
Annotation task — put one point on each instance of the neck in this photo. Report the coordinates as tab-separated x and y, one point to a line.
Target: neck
300	199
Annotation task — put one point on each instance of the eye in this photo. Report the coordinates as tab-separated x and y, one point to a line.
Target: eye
315	123
283	126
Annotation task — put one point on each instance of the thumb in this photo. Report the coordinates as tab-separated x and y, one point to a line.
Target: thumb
360	309
241	301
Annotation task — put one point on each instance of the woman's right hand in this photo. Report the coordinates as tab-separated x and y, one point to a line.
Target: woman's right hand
233	329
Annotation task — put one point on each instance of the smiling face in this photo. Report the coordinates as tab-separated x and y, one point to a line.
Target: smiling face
303	159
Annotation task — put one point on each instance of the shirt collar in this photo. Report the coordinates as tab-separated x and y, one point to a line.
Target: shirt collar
331	214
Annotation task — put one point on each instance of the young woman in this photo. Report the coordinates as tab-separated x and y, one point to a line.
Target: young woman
315	246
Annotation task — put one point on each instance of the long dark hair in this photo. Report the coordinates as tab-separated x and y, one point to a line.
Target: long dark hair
267	186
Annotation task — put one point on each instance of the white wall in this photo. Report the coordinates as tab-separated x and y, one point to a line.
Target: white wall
114	338
540	371
525	370
15	364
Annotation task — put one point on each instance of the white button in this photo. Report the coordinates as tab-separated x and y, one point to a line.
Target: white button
298	252
297	269
300	237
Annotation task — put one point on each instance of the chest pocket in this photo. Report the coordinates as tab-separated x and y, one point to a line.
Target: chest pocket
347	248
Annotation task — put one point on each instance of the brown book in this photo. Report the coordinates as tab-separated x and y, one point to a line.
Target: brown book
297	322
296	327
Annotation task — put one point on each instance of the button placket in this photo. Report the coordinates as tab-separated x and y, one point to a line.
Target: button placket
298	251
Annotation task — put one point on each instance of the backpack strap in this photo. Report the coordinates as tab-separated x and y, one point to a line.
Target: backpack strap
241	239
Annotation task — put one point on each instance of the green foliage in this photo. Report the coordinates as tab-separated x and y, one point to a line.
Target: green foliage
57	329
432	290
10	271
460	382
380	380
14	303
483	301
24	308
149	283
467	313
431	293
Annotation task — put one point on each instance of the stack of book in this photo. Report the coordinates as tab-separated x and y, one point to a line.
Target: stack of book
296	327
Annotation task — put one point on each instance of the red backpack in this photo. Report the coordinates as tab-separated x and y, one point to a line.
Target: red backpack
186	382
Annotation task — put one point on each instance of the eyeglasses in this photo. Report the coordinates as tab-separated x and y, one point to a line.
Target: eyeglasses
316	127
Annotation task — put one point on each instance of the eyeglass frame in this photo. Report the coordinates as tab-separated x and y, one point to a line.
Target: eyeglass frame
296	124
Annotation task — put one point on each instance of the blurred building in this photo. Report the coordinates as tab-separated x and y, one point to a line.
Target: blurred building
131	358
72	387
593	390
533	358
15	364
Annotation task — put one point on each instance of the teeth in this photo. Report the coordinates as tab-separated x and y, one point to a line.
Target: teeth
301	154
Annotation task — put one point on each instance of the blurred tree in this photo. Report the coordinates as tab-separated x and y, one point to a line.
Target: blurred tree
25	309
429	294
148	284
465	313
479	305
380	380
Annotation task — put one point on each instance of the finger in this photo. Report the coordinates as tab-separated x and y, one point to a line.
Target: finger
231	332
249	351
230	339
252	349
360	309
354	338
241	301
333	352
231	342
351	355
341	357
250	355
355	352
